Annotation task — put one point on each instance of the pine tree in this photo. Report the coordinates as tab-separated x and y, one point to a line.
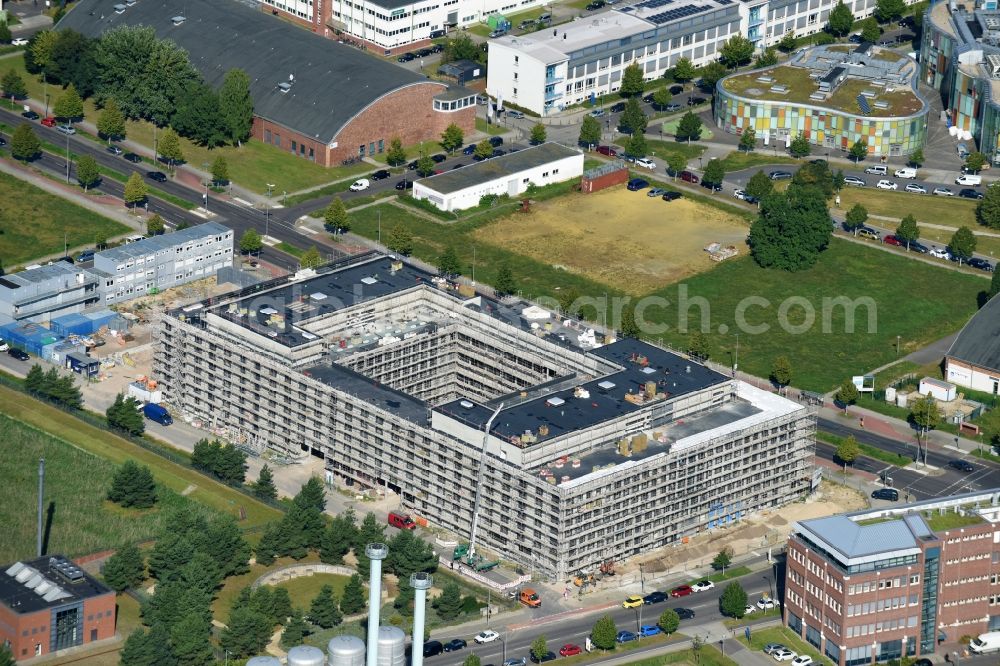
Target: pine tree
265	488
24	145
841	20
994	284
449	603
395	156
323	611
604	633
133	486
69	105
34	381
404	597
335	218
189	638
295	631
338	538
448	262
281	605
271	544
312	494
137	651
111	121
135	189
504	284
125	569
353	600
87	171
733	601
247	632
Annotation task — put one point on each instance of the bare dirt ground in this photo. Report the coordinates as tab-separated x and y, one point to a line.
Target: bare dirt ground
624	239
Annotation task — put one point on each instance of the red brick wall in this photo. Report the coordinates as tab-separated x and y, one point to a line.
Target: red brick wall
99	607
966	572
14	625
408	113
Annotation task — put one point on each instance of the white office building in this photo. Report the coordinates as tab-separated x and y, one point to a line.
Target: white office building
546	71
510	174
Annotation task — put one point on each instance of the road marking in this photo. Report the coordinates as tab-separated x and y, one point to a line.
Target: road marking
269	240
243	202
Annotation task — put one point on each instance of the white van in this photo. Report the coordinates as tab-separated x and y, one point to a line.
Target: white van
985	643
907	172
877	169
969	179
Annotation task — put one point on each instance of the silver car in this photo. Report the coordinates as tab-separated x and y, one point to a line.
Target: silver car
855	181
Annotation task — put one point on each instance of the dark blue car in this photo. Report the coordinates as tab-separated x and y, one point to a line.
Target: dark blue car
637	184
626	636
469	149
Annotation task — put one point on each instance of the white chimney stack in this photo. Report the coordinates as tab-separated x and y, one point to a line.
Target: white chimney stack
376	552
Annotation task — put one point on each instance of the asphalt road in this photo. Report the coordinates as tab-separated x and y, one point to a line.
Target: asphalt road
575	629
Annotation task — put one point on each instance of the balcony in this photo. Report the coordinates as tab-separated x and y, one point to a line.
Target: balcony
553	78
551	95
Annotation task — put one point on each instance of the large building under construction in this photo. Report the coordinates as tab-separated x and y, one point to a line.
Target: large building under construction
597	449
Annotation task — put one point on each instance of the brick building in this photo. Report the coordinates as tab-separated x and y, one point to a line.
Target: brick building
318	99
883	583
50	604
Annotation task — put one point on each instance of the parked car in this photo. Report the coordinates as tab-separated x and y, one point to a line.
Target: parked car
885	185
671	196
981	264
617	107
404	185
962	465
4	346
607	150
944	192
649	630
438	158
892	240
66	129
381	174
626	636
597	113
498	33
802	660
890	494
469	149
19	41
670	108
114	150
749	609
654	597
855	181
19	354
516	661
868	232
765	603
689	177
970	193
496	141
655	192
940	253
548	656
360	185
86	255
569	650
771	648
516	115
455	644
30	115
703	585
684	613
486	636
645	162
784	654
131	157
423	53
457	166
498	152
432	648
917	189
637	184
406	57
49	122
779	175
158	176
695	101
632	602
681	591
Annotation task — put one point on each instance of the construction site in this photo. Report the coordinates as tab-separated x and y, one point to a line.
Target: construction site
553	446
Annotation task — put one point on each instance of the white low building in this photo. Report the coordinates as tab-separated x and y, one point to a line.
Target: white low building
509	174
974	358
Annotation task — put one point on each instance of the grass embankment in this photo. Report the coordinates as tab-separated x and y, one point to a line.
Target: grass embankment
867	450
788	638
739	160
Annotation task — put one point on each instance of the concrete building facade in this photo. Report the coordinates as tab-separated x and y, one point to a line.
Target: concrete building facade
510	174
392	377
50	604
42	292
883	583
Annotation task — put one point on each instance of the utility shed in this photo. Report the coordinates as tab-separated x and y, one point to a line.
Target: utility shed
83	364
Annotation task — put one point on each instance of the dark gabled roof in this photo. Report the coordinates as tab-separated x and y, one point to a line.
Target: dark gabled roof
332	82
497	167
979	342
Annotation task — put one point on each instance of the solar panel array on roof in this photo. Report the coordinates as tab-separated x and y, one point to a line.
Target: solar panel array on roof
653	4
674	14
863	103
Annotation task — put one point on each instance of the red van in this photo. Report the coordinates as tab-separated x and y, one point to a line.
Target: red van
402	521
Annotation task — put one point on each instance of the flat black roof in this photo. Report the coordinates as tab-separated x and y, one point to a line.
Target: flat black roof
332	82
401	404
832	75
54	576
561	412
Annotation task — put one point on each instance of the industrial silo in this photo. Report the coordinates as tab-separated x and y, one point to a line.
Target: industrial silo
264	661
391	646
305	655
346	651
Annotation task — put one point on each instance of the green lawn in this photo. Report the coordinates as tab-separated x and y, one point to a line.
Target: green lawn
412	152
868	450
76	481
753	617
35	223
820	360
739	160
731	572
490	128
947	211
303	589
951	520
761	637
662	149
709	655
670	127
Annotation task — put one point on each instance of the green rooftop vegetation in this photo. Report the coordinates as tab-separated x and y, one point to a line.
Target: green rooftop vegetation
902	101
951	520
875	521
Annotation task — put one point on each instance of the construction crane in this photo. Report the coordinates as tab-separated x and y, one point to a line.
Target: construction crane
479	484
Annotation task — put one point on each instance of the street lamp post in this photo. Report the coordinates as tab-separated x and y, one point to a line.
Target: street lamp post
46	105
205	167
67	157
770	589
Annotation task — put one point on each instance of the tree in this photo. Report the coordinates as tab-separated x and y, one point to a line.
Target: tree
449	602
788	42
590	132
448	263
689	127
924	413
539	648
452	138
24	145
111	121
335	218
251	241
848	451
759	185
538	134
748	140
975	162
889	10
847	394
629	327
400	240
768	58
236	105
135	190
870	31
733	601
697	345
34	380
353	599
87	172
155	225
792	229
395	156
711	73
962	244
738	50
13	85
338	538
605	633
503	283
462	48
633	120
800	146
684	70
841	20
124	414
169	147
311	258
133	486
908	231
636	145
138	650
987	210
669	621
781	371
917	157
723	559
5	36
677	163
633	82
295	630
472	660
247	632
220	170
994	284
714	174
856	218
68	105
323	611
197	116
265	488
125	569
